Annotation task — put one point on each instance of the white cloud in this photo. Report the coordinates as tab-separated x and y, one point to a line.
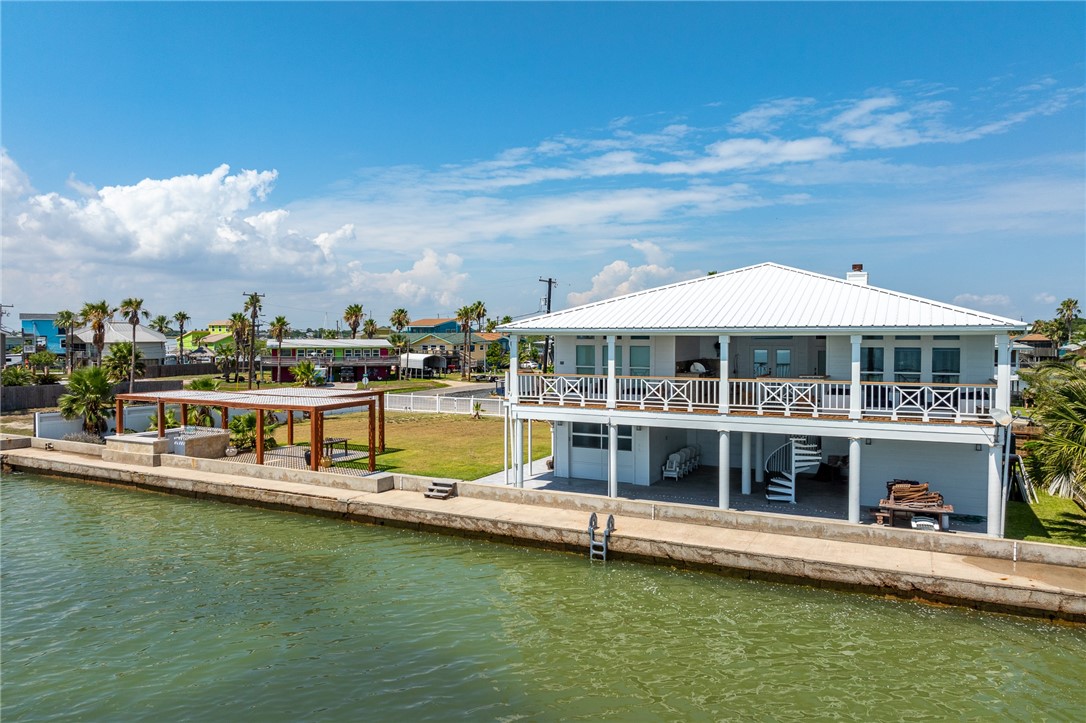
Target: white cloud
984	302
13	182
618	277
767	116
1044	298
433	277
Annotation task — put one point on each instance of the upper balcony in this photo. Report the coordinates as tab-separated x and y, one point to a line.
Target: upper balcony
812	398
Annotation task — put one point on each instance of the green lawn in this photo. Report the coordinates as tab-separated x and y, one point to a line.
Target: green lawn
405	386
432	445
1050	519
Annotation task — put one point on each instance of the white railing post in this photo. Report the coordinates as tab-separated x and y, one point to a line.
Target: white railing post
855	398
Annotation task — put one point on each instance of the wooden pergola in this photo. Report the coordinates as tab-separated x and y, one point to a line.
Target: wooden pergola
315	402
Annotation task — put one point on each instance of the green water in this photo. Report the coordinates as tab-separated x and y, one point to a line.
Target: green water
124	605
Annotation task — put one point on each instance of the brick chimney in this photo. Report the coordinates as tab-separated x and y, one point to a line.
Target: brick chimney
857	275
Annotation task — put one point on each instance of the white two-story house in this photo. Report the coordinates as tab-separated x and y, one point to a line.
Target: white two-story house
770	370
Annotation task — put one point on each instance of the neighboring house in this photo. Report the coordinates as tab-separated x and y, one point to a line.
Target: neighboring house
348	360
450	346
149	342
40	333
753	366
439	325
1035	349
218	327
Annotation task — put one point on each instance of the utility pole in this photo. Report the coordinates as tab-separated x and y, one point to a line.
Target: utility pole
254	309
547	339
4	333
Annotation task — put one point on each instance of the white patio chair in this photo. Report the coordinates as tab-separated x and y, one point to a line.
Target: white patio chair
670	469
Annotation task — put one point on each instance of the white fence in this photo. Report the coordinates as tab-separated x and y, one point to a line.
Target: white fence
490	407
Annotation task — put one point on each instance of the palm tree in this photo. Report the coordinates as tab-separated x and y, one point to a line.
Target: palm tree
1067	313
132	309
239	329
181	318
95	315
399	319
67	321
305	373
201	415
352	316
161	324
121	363
90	395
464	316
1058	459
479	310
253	306
369	328
278	328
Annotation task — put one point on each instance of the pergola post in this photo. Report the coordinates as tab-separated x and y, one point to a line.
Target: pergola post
184	415
259	436
290	428
161	419
119	429
225	418
314	443
372	441
381	420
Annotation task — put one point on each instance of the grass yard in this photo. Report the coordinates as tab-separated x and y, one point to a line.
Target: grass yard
1050	519
20	422
432	445
404	386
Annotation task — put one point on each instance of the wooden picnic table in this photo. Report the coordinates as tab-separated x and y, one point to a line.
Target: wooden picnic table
330	444
942	512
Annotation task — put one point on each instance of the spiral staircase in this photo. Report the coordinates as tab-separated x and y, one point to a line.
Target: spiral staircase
799	454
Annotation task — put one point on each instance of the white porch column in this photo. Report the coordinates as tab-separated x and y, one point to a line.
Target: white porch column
855	397
512	393
724	475
995	492
746	464
612	383
725	372
1003	372
612	459
759	458
505	442
518	452
854	479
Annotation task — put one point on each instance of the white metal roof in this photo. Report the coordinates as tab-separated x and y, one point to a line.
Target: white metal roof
764	297
116	331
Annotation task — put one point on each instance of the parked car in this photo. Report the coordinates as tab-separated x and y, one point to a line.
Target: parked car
529	365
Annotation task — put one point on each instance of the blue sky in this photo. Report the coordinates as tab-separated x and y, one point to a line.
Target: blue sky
427	155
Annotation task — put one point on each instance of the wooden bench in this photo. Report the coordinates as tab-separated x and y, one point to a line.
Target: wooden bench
913	498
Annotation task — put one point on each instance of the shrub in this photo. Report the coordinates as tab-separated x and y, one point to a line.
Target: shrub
84	437
16	376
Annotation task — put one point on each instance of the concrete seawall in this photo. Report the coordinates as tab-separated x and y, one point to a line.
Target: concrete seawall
1001	575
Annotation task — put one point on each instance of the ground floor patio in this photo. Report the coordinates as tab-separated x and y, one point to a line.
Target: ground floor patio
814	497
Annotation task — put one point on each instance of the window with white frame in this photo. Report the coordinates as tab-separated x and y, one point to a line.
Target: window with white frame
586	359
946	365
594	436
640	361
907	364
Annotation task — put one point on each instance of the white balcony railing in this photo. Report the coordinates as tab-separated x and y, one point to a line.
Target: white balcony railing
788	397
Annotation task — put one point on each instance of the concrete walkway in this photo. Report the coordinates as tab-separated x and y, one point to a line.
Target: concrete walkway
1052	590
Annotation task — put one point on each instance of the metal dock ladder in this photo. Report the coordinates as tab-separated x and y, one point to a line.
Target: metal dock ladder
597	549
